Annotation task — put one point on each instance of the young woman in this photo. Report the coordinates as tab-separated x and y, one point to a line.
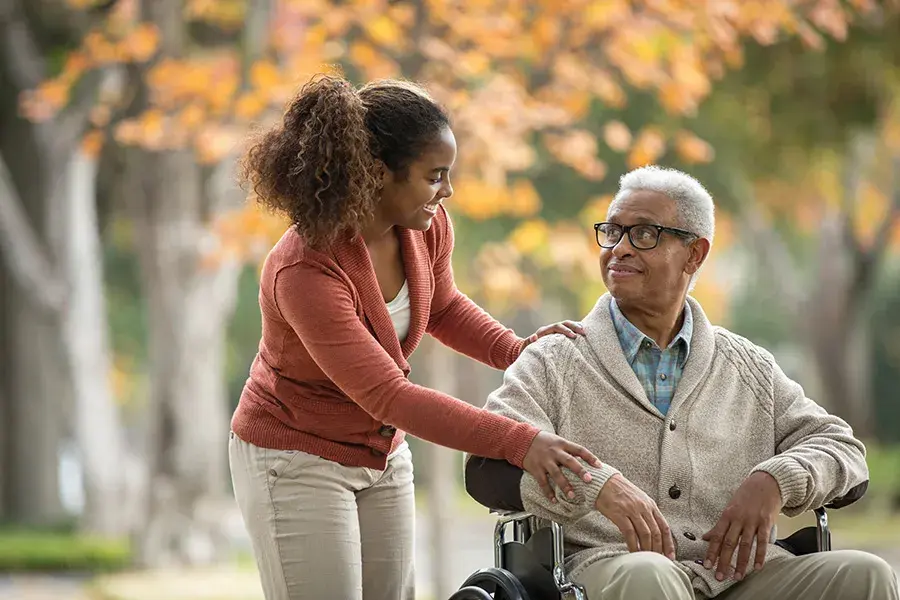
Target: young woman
321	471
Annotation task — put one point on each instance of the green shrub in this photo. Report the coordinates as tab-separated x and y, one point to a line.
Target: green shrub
23	550
884	475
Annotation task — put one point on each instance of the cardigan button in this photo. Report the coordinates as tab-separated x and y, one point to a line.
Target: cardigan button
690	536
387	431
672	426
674	492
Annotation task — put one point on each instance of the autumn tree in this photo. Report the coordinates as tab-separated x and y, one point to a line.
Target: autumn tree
808	151
174	108
542	85
54	357
524	81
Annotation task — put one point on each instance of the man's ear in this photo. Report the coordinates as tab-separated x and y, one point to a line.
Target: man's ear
699	250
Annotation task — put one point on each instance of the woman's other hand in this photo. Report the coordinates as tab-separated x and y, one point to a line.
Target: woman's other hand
566	328
548	453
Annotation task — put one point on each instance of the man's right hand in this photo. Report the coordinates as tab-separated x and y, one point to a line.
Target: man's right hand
636	515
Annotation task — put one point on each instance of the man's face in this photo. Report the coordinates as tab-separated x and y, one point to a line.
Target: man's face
656	277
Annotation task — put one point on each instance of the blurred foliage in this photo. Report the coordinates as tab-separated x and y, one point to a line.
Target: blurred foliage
24	550
884	477
548	99
244	334
765	121
885	353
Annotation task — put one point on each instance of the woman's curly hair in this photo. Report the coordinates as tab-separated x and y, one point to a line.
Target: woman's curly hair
318	166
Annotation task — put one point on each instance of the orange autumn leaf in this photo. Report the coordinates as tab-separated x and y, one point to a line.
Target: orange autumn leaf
577	149
75	64
141	44
191	116
545	32
92	142
152	130
524	200
128	132
617	136
530	235
100	49
264	74
472	64
691	149
608	90
249	106
576	103
83	4
647	148
384	31
595	210
100	115
363	54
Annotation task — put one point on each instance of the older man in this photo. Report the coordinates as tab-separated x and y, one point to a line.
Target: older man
704	439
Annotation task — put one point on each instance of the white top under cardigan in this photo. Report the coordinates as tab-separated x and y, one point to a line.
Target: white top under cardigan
400	312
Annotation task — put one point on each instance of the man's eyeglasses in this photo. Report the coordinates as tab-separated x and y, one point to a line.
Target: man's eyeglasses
642	237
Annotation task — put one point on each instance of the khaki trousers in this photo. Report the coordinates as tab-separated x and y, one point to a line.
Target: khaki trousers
321	530
836	575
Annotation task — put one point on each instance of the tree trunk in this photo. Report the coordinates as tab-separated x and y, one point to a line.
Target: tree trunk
35	382
97	427
190	301
829	314
442	470
836	332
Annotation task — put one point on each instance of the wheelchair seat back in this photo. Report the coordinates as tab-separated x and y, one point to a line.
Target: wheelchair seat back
532	564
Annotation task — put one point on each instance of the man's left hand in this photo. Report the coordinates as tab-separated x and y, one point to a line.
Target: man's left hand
750	515
567	328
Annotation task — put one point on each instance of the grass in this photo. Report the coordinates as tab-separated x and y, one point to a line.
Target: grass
865	530
42	551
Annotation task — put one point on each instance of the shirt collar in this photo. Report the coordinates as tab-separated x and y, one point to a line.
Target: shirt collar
631	338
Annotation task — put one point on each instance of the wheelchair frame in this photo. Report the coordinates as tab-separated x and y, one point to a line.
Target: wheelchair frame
530	568
524	524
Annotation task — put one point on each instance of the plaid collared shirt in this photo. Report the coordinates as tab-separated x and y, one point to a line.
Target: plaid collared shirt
658	370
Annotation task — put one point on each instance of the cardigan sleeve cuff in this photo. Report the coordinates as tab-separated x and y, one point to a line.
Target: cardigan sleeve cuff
585	493
507	350
521	440
793	480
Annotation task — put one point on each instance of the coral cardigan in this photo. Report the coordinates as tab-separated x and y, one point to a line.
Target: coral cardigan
330	377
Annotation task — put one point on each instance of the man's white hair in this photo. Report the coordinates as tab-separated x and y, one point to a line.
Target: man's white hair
696	211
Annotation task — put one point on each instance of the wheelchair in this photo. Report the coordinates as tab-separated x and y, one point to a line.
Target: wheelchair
529	561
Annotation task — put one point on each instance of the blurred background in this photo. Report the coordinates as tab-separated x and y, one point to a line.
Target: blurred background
129	259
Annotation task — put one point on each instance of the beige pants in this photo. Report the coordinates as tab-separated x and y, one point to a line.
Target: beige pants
321	530
836	575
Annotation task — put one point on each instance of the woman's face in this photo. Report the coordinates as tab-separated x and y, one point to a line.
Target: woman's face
412	201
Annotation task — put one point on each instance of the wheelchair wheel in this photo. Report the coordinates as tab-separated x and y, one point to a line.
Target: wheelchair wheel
471	592
501	584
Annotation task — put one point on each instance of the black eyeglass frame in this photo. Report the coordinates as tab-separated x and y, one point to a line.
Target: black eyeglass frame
626	231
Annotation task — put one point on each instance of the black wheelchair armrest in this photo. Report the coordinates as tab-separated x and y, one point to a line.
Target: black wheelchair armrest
494	483
854	494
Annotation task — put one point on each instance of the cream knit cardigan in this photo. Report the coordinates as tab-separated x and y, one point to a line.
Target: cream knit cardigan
734	412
